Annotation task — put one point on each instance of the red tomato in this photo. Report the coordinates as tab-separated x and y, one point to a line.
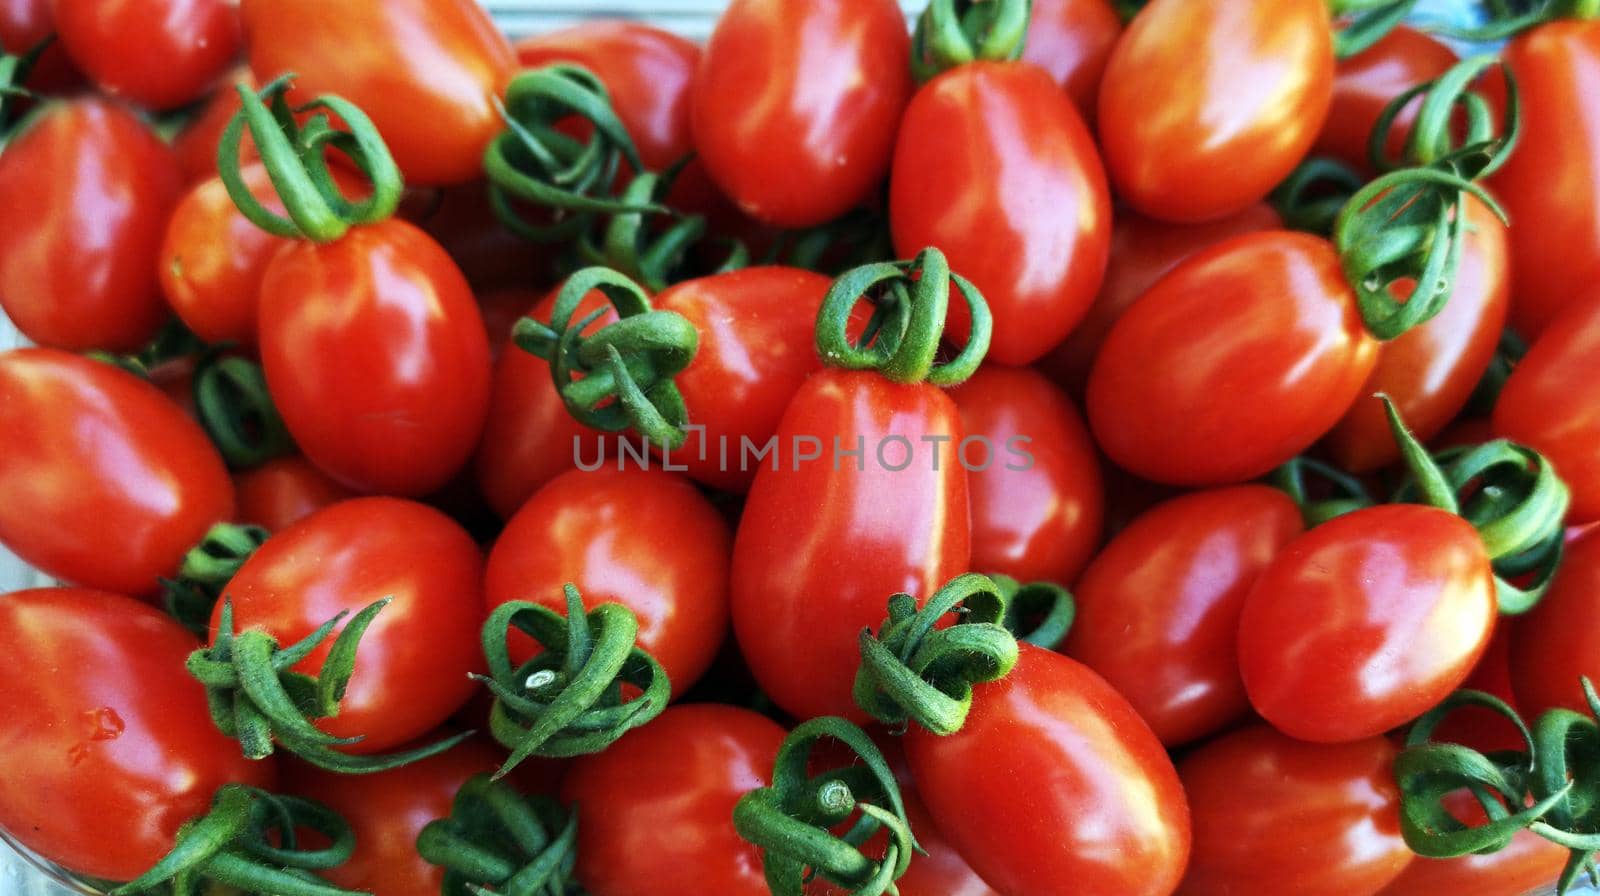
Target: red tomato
414	660
1530	862
23	25
94	186
995	167
1192	390
179	48
1366	82
283	491
642	538
1366	621
1556	643
103	482
655	809
213	258
1037	500
196	145
823	543
1274	815
501	309
428	72
1072	40
795	104
109	746
1158	609
1475	726
1242	90
376	356
1092	803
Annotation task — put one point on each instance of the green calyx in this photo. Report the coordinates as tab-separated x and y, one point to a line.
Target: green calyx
497	838
952	33
296	159
620	376
569	699
236	410
633	243
792	821
207	569
1321	490
1365	22
902	339
1312	196
255	696
1040	613
250	841
912	671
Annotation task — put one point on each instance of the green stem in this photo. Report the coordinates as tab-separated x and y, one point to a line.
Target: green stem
1348	494
236	410
1040	613
495	837
1369	22
14	71
952	33
1311	198
207	568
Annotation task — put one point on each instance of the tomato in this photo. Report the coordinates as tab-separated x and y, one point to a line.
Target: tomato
1551	402
23	25
1274	815
1191	390
1040	523
213	258
1475	726
1214	148
1366	82
283	491
428	72
182	46
1555	644
1530	862
415	658
642	538
995	167
376	356
656	808
109	746
1431	371
196	145
94	185
823	543
795	104
1093	804
1072	40
1366	621
1158	609
501	309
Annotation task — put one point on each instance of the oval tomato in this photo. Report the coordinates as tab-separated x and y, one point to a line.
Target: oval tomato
182	46
1366	82
1556	644
213	258
284	491
1072	40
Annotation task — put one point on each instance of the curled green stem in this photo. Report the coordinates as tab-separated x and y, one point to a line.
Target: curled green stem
633	244
952	33
236	410
1312	196
207	569
1340	493
1040	613
1451	119
497	838
1366	22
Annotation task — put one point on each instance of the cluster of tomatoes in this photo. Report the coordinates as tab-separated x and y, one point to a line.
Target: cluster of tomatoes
605	464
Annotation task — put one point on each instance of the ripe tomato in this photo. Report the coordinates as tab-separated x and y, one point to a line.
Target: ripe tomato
1214	148
1530	862
428	72
182	46
1274	815
196	145
1072	40
94	186
104	482
283	491
1190	390
655	809
213	258
995	167
795	104
501	309
1555	643
1366	82
1475	726
23	25
1093	804
1034	518
414	660
642	538
1366	621
376	357
1158	609
109	747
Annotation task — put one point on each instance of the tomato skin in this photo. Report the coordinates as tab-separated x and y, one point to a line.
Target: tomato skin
795	104
94	185
1270	371
213	258
1366	621
183	47
1158	609
995	167
196	145
1072	40
1094	805
428	72
1477	727
657	806
642	538
1366	82
284	491
1274	815
23	24
1530	862
109	746
376	355
1041	523
1213	151
415	658
1555	644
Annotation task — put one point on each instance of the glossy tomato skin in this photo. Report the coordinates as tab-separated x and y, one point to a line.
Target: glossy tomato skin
995	167
1366	82
1158	609
1213	150
94	185
1478	727
213	258
656	808
1555	644
1275	815
415	657
824	543
1366	622
1234	362
795	104
183	46
1094	805
643	538
196	145
284	491
426	71
1037	503
1072	40
104	482
23	25
109	746
376	356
